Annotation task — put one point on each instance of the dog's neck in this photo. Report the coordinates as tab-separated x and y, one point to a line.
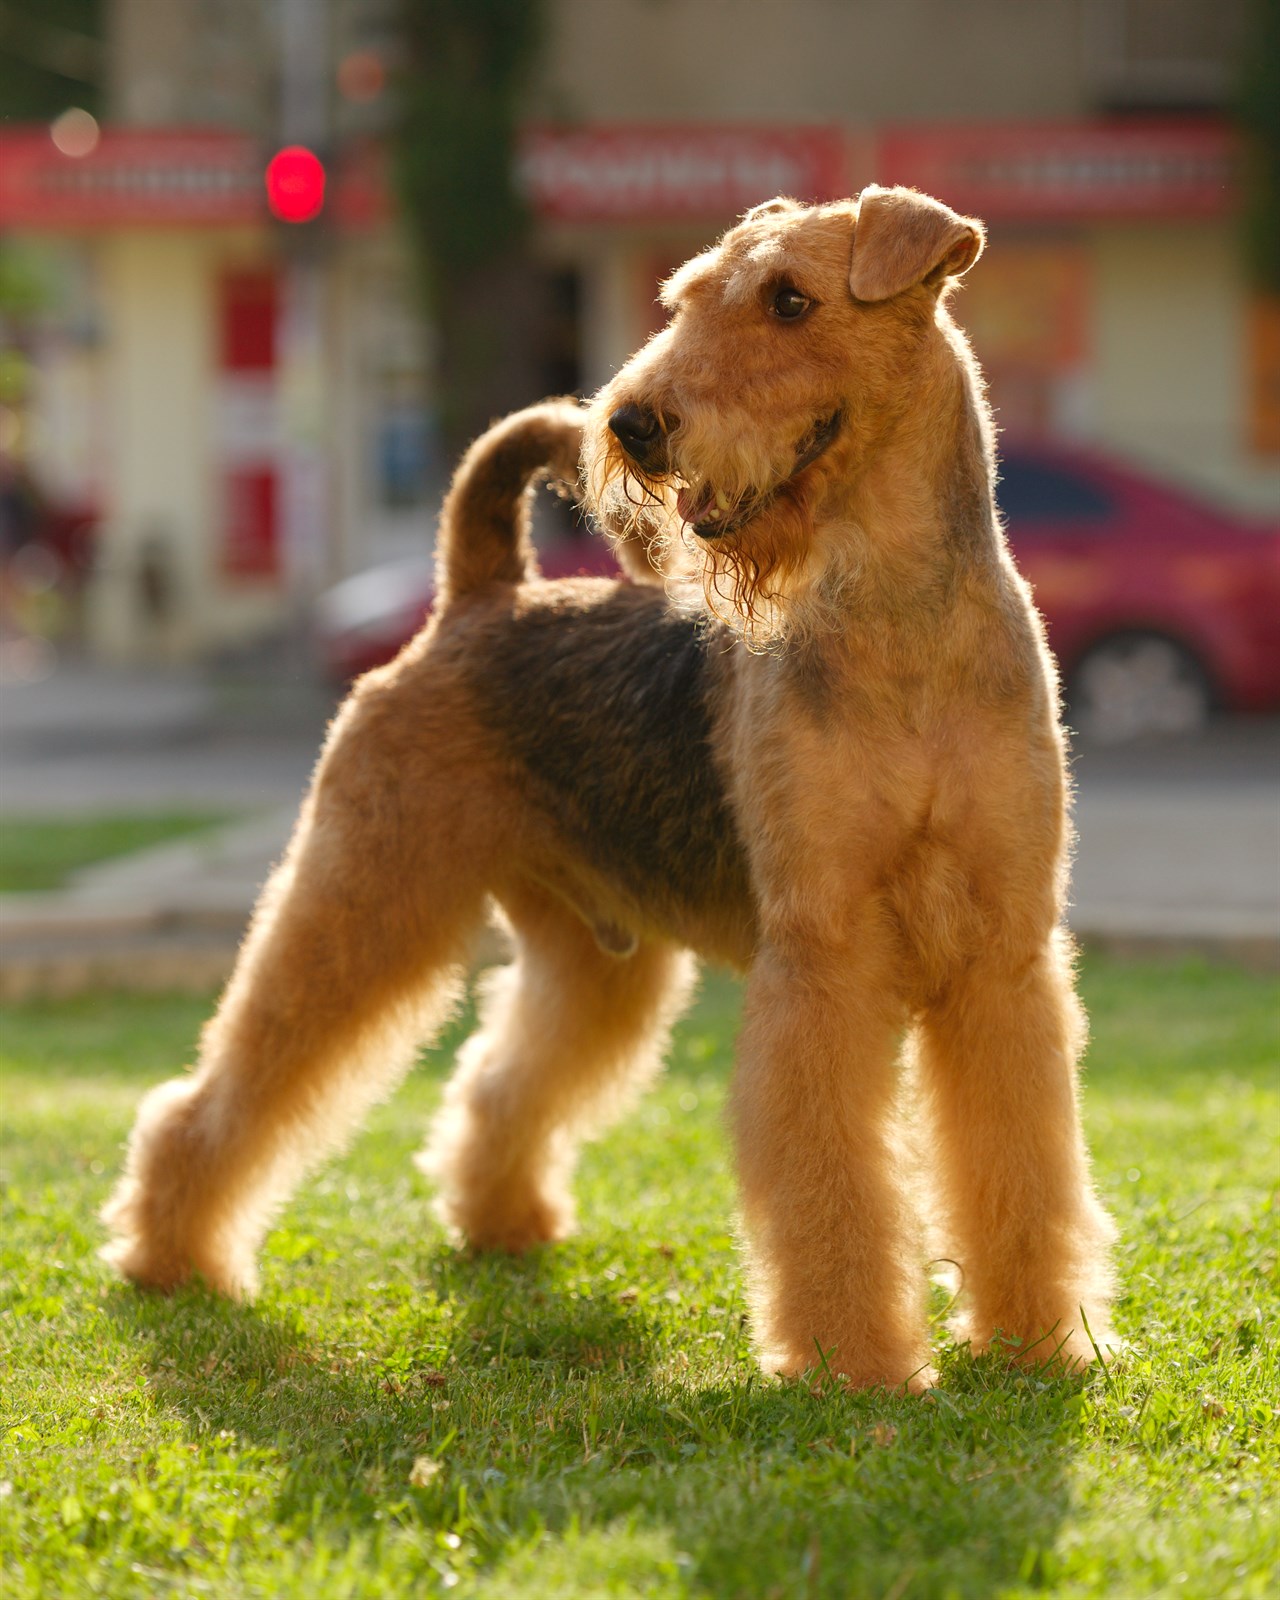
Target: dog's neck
919	510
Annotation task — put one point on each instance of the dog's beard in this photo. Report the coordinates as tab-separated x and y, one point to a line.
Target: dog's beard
746	574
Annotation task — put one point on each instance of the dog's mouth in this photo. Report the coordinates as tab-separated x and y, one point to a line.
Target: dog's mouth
712	514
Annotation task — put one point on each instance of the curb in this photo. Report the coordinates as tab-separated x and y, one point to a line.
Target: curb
1256	952
184	964
55	956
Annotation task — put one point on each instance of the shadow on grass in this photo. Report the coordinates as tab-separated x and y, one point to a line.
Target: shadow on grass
554	1408
559	1426
555	1427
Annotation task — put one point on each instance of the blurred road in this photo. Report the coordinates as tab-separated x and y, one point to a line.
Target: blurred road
1179	841
1181	838
96	740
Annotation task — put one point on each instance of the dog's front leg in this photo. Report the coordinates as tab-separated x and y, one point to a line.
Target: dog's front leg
834	1261
998	1053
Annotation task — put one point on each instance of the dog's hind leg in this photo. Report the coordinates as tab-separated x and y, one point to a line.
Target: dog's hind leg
566	1031
354	954
998	1058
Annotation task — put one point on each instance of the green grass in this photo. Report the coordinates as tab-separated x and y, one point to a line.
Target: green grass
37	854
588	1422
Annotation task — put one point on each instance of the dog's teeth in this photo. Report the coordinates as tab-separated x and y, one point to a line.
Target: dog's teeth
722	499
714	513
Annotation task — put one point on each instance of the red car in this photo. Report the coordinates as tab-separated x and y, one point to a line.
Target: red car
1159	608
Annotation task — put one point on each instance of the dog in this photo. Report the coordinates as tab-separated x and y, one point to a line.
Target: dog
813	735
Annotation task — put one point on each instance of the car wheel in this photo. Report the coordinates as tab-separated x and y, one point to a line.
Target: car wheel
1135	684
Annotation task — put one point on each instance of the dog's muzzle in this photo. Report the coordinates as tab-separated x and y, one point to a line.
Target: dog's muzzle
703	511
640	434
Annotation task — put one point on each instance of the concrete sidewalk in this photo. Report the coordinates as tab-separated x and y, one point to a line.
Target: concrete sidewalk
1158	867
95	741
1178	871
167	917
1179	844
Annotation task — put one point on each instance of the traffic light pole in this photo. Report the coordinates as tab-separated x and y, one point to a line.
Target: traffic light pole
302	333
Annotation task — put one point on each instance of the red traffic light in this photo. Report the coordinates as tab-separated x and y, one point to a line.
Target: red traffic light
295	184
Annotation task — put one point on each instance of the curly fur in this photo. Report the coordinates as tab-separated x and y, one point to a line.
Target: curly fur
818	742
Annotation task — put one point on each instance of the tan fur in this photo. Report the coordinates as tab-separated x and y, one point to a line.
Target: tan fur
829	754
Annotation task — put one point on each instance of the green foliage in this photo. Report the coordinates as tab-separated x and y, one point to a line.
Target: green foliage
1259	115
24	290
467	61
394	1417
466	64
50	58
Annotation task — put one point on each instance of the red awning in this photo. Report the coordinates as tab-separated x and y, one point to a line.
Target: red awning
1074	171
163	177
674	172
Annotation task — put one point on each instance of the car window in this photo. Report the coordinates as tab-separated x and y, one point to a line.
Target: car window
1032	491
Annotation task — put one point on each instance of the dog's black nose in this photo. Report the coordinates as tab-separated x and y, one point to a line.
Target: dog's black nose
635	429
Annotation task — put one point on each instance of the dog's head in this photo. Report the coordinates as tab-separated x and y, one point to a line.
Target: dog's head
787	356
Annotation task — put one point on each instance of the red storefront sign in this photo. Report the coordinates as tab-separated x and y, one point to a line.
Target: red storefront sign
148	176
674	173
605	173
1068	171
155	176
1025	171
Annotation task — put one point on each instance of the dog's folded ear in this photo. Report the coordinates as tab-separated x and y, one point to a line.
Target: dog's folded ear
902	238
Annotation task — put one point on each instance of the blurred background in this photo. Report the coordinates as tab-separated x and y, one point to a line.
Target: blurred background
266	265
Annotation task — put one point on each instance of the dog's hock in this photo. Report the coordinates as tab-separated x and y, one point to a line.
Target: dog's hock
902	238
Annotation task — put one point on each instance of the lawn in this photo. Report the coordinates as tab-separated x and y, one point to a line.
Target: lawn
41	853
396	1418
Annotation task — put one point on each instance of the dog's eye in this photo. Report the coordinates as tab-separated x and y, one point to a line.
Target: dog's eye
789	303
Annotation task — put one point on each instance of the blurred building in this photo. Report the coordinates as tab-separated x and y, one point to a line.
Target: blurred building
245	402
249	404
1091	135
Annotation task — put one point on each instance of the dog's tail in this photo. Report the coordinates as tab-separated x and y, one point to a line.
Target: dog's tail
484	524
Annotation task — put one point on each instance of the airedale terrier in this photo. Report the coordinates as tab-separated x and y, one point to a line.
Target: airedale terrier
815	738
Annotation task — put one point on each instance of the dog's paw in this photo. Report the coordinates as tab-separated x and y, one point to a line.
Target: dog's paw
507	1223
895	1377
132	1259
152	1256
163	1271
1056	1352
